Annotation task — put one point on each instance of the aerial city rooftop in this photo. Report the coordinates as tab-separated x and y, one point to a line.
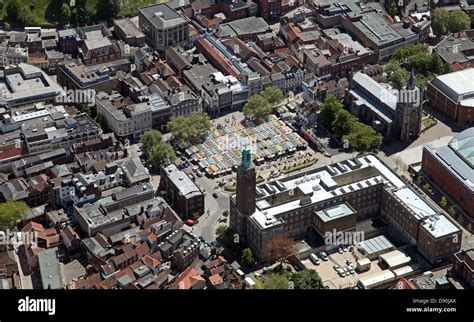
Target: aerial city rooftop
195	144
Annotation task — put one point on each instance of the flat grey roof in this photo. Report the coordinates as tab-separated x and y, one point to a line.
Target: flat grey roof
181	180
376	244
162	15
375	27
246	26
453	161
49	268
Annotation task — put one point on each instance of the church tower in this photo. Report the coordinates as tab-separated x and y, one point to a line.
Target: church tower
408	112
244	203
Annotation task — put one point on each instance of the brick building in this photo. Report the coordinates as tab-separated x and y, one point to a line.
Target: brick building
450	168
451	94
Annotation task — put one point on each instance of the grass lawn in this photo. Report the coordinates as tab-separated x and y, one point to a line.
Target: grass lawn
47	11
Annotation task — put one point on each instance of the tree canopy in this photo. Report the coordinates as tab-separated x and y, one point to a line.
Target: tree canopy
347	127
156	150
261	105
328	111
363	137
273	95
12	212
189	128
18	13
306	280
107	9
280	248
247	256
417	58
444	22
257	107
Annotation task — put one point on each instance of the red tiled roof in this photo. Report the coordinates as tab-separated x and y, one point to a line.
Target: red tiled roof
216	279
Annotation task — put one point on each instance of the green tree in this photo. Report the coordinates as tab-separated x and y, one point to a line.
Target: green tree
343	122
440	21
328	111
247	256
100	119
452	211
276	282
363	137
393	10
189	128
221	231
399	78
459	20
18	13
443	202
307	279
160	154
107	9
156	150
257	107
11	213
79	13
273	95
65	14
88	110
426	187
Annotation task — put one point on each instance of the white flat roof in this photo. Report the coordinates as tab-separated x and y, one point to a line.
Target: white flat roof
415	202
395	258
439	226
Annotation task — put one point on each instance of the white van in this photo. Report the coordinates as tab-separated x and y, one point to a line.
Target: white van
315	259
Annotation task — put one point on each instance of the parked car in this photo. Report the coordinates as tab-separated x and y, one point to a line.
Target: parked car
348	262
344	249
340	251
199	173
324	256
431	192
315	259
351	270
190	222
336	267
341	272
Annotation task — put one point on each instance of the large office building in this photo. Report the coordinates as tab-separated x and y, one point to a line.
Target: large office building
453	95
25	84
163	26
451	169
396	117
335	197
